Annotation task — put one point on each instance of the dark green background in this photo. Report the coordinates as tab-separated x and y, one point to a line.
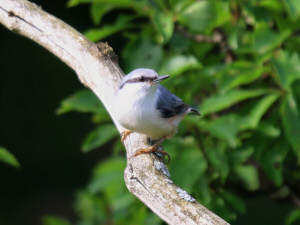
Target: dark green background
32	84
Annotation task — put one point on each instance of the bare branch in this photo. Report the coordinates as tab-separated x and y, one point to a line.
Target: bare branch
97	68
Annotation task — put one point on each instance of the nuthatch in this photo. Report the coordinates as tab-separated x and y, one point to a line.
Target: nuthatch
142	105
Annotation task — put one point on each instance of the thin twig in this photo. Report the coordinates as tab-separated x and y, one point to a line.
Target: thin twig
218	37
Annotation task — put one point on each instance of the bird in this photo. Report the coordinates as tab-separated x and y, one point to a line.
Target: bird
144	106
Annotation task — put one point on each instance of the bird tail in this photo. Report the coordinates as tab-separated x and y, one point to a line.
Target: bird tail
194	111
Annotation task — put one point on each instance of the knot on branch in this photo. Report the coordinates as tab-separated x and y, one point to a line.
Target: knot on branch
12	13
106	51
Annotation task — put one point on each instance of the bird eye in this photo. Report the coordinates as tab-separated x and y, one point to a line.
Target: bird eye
142	78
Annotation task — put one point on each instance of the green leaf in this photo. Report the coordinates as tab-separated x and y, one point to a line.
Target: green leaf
98	137
108	179
234	201
99	184
142	53
285	24
98	10
291	122
101	116
293	217
218	160
203	16
120	3
7	157
240	155
72	3
249	175
254	116
178	6
240	73
117	164
203	189
293	8
213	71
268	129
164	25
55	220
272	161
91	208
178	64
225	127
81	101
271	4
122	23
265	39
123	200
106	174
286	65
189	165
219	102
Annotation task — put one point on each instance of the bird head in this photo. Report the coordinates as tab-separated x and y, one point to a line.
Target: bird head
142	80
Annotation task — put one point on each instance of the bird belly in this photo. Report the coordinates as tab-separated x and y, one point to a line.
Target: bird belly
157	128
145	119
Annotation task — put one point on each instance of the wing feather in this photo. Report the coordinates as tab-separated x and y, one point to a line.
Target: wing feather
169	104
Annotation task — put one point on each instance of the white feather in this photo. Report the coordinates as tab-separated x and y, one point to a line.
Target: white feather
135	108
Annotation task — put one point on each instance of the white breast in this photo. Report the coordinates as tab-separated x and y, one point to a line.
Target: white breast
136	111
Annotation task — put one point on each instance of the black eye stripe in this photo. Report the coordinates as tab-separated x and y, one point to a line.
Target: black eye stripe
138	80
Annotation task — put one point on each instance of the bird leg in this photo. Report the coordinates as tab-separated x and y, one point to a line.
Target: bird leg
124	134
155	148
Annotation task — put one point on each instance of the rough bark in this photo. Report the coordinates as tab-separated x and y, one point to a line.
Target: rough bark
97	68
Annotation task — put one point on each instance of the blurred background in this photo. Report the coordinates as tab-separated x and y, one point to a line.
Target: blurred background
61	160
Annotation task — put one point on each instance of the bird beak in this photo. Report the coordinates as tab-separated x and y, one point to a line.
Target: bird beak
160	78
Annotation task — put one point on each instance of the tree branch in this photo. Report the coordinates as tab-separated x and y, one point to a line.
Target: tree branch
97	68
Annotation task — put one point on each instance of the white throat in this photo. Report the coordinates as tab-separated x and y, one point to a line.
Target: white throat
135	105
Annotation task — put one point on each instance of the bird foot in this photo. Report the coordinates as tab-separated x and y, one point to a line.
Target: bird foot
124	135
153	149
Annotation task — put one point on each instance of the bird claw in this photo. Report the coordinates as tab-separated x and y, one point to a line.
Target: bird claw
162	154
124	135
154	149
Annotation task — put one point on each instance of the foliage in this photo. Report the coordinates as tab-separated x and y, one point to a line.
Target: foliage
7	157
238	62
54	220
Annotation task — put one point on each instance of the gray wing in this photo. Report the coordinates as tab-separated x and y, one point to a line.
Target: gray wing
169	104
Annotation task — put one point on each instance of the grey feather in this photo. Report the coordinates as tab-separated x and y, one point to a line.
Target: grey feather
169	104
